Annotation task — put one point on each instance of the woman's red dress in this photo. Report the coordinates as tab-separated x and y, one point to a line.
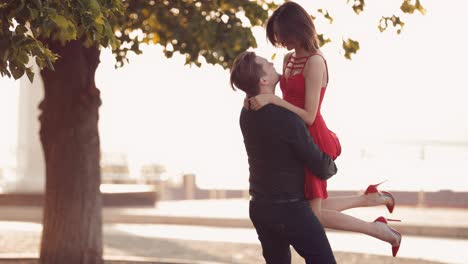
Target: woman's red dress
293	88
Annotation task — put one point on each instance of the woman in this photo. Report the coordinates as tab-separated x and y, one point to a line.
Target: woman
303	83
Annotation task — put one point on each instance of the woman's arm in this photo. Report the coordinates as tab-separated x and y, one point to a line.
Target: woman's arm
313	74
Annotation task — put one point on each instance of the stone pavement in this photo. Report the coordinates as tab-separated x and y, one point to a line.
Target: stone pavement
432	222
22	244
19	243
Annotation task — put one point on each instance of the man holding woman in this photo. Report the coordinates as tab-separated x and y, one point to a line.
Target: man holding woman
303	83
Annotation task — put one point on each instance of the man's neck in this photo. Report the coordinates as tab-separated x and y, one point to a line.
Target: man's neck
267	90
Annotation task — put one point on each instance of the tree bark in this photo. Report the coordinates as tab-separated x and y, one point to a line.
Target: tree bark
72	223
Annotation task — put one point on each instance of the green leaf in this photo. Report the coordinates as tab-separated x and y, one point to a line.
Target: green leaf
20	29
99	20
323	40
408	7
37	50
61	21
34	13
49	64
394	20
94	5
38	3
30	74
40	62
7	73
67	30
358	6
17	72
6	55
350	46
23	57
326	15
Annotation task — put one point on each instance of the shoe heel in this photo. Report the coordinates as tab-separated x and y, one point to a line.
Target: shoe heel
391	206
398	234
373	188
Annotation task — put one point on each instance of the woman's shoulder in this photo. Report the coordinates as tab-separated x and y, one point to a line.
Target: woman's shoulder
318	55
315	62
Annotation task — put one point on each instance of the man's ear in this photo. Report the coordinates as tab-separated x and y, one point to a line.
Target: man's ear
262	82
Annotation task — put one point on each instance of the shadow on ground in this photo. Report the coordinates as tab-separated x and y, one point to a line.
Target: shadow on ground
120	245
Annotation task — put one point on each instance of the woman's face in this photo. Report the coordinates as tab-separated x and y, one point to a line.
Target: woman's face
287	43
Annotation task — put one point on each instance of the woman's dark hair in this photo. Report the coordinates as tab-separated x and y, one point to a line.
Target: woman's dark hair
246	73
290	22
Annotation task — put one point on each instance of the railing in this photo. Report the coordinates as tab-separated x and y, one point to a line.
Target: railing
189	190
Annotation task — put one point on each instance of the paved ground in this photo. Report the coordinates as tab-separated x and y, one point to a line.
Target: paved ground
120	245
24	240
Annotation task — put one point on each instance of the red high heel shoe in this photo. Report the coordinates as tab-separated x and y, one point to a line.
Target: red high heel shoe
373	189
384	220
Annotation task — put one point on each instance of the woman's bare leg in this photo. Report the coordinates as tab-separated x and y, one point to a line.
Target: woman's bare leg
316	206
339	221
341	203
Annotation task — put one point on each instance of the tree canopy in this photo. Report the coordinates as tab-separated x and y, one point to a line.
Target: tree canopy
210	29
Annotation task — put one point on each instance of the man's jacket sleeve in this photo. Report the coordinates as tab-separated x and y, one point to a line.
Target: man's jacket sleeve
305	148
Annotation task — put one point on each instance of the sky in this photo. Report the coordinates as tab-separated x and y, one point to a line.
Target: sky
409	87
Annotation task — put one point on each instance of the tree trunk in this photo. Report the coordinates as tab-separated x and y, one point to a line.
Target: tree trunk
72	231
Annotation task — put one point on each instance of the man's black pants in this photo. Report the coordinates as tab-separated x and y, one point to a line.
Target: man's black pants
282	224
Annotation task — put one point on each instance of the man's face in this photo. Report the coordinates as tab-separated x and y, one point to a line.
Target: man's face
270	77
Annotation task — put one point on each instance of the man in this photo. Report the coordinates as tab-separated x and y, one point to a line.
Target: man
278	145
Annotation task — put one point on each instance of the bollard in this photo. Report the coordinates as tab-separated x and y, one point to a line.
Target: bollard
212	194
220	194
189	186
245	194
161	189
421	199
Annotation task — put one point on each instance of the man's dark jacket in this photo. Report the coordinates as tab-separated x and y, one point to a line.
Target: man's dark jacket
278	147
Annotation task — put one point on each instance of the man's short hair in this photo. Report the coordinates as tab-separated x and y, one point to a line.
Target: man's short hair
246	73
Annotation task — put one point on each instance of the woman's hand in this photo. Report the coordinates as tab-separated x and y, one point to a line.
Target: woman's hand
246	103
261	100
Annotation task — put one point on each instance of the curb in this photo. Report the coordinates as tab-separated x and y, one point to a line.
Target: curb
412	230
34	214
11	259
